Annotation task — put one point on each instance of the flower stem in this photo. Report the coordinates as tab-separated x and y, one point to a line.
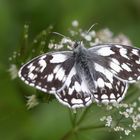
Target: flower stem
92	127
67	135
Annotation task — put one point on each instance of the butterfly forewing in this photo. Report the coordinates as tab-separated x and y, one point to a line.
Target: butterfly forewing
123	61
47	72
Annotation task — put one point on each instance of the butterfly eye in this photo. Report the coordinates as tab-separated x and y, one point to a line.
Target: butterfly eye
76	44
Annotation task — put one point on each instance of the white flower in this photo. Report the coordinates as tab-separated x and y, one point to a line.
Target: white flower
58	46
75	23
32	101
127	132
109	107
118	128
108	121
139	109
92	33
125	114
129	110
13	71
88	37
103	118
51	45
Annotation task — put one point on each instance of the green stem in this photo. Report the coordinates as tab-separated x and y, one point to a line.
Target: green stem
67	135
92	127
83	115
119	120
134	94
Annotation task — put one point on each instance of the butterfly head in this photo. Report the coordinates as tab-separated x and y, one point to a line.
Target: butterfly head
78	45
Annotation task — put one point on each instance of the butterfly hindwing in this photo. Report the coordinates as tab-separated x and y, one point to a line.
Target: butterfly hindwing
123	61
75	93
109	88
47	72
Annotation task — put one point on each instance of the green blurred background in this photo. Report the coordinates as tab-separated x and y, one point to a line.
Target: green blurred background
51	121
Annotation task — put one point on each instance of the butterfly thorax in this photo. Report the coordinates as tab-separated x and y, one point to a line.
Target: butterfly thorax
84	66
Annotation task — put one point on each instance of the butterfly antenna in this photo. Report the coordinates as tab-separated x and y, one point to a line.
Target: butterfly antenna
91	27
60	35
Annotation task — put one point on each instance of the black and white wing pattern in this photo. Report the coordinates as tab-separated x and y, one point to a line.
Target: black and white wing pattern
115	67
109	88
75	92
123	61
101	73
47	72
55	73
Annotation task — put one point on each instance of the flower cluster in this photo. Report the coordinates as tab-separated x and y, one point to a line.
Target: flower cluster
32	101
126	118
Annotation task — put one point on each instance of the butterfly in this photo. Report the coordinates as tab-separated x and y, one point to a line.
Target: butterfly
84	75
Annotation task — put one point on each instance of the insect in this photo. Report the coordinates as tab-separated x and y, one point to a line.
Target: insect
79	77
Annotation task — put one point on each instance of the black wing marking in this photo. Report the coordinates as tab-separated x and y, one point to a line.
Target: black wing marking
47	72
123	61
75	92
109	88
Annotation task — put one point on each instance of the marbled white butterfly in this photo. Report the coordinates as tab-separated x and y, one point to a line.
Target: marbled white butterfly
79	77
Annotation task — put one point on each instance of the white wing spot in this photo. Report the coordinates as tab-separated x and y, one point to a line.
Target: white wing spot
64	79
43	64
138	61
68	80
138	78
115	61
104	96
71	90
100	82
31	69
84	87
130	78
123	53
76	101
77	86
105	101
56	69
53	89
66	100
32	76
126	67
87	99
96	95
118	46
27	82
43	89
50	77
108	85
30	65
104	71
112	101
32	84
134	51
105	51
112	96
118	95
60	74
115	67
43	57
58	58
